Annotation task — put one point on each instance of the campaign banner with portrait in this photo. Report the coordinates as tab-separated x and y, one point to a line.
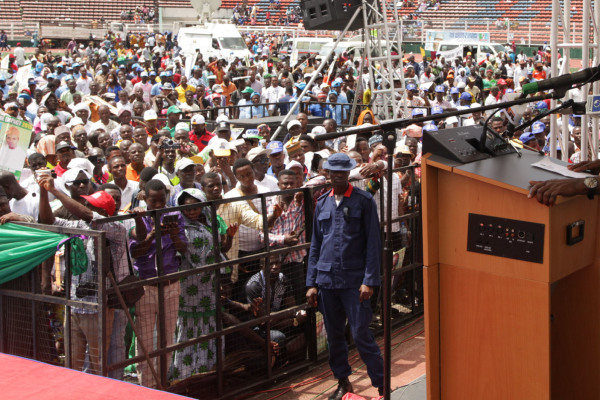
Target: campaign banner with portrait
15	135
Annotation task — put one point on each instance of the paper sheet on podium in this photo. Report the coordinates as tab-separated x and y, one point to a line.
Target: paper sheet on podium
547	164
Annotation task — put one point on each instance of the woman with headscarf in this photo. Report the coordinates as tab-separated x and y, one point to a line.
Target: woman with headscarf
366	117
198	300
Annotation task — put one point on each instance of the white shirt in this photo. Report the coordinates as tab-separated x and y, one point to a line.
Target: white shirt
269	182
19	53
83	85
28	205
127	193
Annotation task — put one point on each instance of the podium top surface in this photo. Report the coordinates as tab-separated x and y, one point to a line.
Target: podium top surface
509	171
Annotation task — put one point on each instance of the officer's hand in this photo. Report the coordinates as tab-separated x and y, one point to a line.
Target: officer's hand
365	292
311	296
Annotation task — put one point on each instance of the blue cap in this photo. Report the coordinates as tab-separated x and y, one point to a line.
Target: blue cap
105	65
454	89
169	73
255	94
440	89
417	111
69	78
526	137
336	83
152	73
163	74
300	85
339	162
538	127
275	147
51	76
466	96
430	127
76	65
541	105
411	86
437	110
333	92
134	66
24	96
139	69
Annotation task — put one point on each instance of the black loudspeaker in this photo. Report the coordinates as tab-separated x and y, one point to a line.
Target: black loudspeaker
330	14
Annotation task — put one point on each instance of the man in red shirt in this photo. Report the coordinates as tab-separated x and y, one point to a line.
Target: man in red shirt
199	135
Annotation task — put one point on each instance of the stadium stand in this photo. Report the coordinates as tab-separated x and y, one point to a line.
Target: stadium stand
479	15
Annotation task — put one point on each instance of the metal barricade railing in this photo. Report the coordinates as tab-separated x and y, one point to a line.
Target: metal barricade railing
237	338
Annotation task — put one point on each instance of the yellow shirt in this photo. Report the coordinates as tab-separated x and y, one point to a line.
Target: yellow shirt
181	92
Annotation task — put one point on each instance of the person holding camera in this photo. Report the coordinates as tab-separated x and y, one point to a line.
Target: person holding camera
166	157
143	248
84	286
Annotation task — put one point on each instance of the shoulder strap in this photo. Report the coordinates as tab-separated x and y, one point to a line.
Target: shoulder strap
250	203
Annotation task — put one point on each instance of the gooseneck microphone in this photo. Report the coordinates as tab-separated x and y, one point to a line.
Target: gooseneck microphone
562	83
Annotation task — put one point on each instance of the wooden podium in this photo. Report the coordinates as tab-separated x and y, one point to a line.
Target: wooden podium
499	326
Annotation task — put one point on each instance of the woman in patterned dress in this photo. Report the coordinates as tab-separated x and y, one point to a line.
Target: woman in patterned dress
198	302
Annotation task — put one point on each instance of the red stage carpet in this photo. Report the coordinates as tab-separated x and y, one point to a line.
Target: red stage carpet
24	379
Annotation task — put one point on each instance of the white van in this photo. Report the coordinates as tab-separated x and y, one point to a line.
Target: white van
353	48
478	50
304	46
213	40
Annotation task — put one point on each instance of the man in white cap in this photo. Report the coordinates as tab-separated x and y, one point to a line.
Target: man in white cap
150	120
199	135
145	85
259	156
83	112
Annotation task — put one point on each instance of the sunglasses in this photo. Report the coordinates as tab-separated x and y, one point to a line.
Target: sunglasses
80	182
261	160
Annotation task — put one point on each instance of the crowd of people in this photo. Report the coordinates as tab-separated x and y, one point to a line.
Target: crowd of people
141	15
124	127
274	15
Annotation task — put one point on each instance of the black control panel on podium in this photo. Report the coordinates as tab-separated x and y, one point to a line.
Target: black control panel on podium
462	144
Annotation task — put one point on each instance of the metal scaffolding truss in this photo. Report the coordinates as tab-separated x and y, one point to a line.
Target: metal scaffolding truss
383	36
590	37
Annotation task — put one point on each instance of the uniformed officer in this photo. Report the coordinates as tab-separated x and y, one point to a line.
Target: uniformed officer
343	268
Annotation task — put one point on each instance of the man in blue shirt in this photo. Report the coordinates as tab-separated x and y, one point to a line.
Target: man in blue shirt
343	268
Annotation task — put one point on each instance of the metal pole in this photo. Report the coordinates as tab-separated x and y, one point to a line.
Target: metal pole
314	75
554	47
388	255
596	85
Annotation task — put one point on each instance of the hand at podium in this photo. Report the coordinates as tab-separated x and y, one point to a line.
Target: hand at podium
546	191
593	166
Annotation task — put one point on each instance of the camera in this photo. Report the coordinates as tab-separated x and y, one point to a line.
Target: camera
170	144
86	289
41	172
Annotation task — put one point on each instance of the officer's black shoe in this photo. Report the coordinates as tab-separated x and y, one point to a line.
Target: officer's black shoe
344	386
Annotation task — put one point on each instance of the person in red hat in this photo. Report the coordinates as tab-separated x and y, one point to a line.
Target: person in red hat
19	54
84	287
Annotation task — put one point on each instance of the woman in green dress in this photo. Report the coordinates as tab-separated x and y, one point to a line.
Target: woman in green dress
198	302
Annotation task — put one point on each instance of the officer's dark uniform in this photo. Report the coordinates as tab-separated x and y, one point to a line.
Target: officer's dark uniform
345	253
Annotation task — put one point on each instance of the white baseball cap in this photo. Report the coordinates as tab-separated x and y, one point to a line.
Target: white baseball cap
149	115
198	119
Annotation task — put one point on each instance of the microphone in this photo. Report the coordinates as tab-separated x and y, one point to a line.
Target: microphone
562	83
